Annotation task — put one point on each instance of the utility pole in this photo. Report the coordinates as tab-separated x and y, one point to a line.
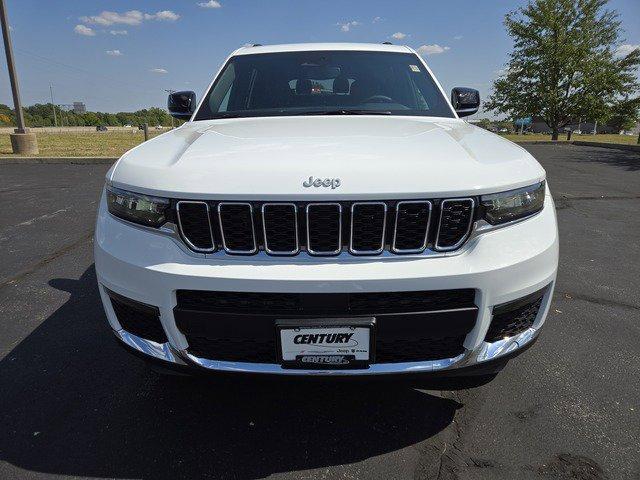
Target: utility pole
21	141
53	105
169	91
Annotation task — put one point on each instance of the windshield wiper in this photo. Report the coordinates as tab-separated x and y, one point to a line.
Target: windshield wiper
228	115
344	111
341	111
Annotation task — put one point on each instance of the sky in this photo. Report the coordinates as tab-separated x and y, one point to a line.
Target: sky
120	55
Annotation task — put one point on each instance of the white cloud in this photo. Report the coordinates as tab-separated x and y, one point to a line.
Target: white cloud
106	18
458	37
158	70
118	32
399	35
131	17
83	30
625	49
210	4
377	20
163	15
434	49
345	27
114	53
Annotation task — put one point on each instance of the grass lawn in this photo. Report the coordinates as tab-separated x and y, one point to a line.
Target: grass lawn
90	144
114	144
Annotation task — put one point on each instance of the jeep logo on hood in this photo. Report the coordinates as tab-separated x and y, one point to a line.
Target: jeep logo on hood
322	182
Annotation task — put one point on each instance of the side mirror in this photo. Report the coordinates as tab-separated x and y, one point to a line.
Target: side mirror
465	101
181	104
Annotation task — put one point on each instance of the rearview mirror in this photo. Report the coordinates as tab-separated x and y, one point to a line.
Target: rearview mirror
181	104
465	101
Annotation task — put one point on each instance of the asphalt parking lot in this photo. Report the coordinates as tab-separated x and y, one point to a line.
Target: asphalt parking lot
74	404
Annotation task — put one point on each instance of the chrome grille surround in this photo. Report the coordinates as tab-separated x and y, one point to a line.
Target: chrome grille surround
468	228
423	246
264	229
227	249
310	250
377	251
408	227
185	237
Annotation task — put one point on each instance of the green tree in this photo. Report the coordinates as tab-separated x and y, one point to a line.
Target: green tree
484	123
625	114
564	65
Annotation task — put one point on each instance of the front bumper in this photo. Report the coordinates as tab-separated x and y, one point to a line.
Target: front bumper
501	265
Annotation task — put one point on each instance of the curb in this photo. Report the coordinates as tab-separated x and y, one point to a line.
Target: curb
542	142
582	143
618	146
68	160
111	160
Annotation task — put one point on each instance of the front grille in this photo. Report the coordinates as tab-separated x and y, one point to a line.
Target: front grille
515	317
324	229
310	304
368	225
418	349
280	227
195	225
456	217
233	349
137	318
241	326
236	225
412	227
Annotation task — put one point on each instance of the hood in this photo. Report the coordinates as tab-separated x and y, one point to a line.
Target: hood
371	157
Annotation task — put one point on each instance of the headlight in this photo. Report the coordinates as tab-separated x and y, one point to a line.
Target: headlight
137	208
513	204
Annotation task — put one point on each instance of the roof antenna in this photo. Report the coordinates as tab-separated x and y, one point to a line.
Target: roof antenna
387	43
256	45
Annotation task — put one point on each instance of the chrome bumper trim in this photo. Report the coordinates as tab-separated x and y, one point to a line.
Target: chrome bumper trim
161	351
484	352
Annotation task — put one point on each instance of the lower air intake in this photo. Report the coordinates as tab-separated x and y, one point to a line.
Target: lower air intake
137	318
510	319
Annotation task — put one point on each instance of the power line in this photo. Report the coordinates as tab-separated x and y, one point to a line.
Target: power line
82	70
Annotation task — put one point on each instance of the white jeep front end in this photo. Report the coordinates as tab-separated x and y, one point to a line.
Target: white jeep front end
330	224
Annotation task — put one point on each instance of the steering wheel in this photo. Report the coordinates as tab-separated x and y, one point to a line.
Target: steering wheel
378	99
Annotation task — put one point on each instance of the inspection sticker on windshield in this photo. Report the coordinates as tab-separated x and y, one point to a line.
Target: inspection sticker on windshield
414	68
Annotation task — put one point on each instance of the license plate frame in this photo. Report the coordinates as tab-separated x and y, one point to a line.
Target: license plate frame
326	325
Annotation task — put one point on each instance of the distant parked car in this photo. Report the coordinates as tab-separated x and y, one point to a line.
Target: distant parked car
127	126
159	127
101	128
141	127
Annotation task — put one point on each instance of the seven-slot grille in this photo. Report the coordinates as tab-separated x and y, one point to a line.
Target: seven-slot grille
327	228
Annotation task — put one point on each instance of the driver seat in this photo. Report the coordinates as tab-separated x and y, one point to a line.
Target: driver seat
362	88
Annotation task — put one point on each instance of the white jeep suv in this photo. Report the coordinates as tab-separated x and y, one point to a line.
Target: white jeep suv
324	211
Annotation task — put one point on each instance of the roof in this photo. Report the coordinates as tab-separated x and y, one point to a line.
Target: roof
308	47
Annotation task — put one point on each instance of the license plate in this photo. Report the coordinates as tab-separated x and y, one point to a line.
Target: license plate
326	346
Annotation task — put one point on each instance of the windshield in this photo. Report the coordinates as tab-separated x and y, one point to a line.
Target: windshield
324	82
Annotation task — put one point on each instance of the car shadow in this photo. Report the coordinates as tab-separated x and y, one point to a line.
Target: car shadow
72	402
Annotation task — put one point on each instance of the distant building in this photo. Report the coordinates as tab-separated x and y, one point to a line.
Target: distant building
79	107
538	126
